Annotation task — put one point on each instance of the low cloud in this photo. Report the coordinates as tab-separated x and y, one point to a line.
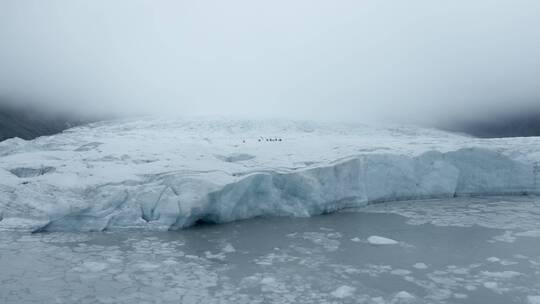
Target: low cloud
371	60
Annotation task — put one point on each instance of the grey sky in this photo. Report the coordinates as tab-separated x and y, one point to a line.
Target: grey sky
309	59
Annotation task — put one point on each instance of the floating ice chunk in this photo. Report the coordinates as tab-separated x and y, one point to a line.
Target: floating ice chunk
378	300
218	256
460	296
530	233
170	262
146	266
533	299
400	272
379	240
402	296
356	239
440	295
507	237
507	262
501	275
420	266
492	285
229	248
493	259
327	240
343	292
95	266
268	281
459	270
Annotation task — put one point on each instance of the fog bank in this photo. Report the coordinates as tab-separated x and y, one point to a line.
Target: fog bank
401	61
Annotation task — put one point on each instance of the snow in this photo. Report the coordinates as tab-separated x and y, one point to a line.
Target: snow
157	174
379	240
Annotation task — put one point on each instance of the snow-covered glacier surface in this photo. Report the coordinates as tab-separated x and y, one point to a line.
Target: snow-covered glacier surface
160	174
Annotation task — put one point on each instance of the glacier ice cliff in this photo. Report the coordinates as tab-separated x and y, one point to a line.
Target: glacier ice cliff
163	175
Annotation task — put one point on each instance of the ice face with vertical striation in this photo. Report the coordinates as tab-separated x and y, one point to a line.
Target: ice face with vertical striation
168	174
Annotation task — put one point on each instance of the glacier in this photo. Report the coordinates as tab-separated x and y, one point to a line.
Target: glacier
167	174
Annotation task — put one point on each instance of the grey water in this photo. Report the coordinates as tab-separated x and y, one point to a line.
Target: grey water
461	251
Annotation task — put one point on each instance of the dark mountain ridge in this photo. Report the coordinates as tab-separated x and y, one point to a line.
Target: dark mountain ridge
20	121
511	124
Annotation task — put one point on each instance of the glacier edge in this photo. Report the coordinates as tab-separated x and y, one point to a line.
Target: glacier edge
176	200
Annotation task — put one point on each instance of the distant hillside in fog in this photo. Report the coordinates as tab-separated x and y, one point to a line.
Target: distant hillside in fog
507	125
29	122
18	121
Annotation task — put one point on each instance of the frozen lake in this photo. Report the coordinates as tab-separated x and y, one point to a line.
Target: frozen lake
474	250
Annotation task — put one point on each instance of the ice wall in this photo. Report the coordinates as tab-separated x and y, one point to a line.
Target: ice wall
177	200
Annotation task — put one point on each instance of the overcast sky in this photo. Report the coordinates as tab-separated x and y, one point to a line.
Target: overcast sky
308	59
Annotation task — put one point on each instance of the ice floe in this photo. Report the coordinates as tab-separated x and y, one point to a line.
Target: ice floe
379	240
